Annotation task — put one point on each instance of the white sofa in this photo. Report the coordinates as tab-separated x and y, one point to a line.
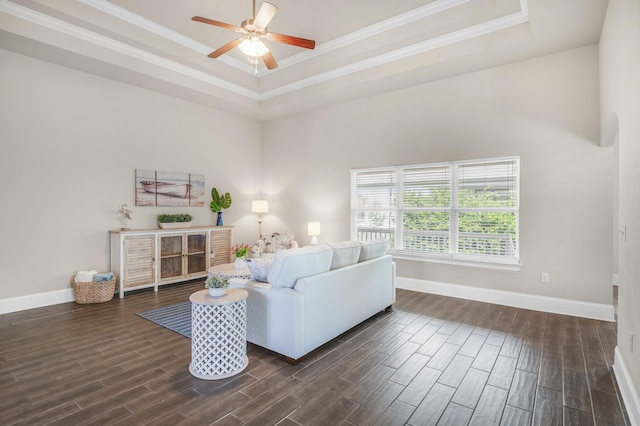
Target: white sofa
314	294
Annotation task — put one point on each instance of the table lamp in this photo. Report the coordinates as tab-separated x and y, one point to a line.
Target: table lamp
314	230
259	206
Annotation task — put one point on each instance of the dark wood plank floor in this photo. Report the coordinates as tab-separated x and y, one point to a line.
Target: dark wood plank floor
431	360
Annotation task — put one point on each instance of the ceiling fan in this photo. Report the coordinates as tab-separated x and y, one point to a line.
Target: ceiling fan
253	31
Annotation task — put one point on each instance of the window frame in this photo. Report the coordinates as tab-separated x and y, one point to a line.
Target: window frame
451	256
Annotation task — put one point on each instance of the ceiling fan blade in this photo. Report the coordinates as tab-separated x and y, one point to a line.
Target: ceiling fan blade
294	41
224	49
216	23
265	15
269	61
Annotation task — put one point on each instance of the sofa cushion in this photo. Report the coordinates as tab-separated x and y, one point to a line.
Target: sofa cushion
272	243
276	242
289	265
345	253
372	249
259	267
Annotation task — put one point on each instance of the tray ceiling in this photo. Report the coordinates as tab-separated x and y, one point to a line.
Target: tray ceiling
363	47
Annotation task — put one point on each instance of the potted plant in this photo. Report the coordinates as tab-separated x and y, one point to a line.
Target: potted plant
217	284
240	251
219	202
178	220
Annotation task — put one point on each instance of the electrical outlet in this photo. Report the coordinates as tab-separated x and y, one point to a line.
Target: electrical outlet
631	342
545	277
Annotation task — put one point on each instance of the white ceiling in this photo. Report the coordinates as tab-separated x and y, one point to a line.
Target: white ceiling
363	47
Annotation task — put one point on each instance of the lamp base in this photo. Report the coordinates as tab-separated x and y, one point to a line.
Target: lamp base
314	240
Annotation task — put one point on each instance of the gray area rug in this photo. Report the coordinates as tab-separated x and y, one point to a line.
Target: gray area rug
174	317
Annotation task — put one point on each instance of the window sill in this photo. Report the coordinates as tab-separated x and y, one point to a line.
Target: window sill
485	264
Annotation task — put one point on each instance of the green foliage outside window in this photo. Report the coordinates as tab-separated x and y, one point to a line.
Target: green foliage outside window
488	223
417	203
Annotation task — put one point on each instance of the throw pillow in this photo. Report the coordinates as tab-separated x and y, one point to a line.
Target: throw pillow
275	242
345	253
259	267
290	265
372	249
258	248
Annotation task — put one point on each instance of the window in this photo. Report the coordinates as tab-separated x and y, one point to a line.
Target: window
465	210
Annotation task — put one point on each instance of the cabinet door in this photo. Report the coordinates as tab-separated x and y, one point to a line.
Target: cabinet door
196	254
139	261
220	246
171	252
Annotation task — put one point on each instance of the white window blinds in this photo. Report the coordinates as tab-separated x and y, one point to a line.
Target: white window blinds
426	202
463	209
376	202
487	208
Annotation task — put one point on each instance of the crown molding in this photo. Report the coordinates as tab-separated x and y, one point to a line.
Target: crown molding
497	24
162	31
122	48
361	34
414	49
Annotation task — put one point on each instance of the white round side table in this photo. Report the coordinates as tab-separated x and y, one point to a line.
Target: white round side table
218	334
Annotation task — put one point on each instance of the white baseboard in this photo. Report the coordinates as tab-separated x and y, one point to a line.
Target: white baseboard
554	305
627	388
518	300
31	301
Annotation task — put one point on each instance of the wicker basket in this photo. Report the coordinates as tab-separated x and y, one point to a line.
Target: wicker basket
93	292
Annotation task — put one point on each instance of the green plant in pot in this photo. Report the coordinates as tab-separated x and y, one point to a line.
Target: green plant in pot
176	220
219	202
217	284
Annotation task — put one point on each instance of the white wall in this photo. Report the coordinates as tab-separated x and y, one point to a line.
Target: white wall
620	87
70	144
545	110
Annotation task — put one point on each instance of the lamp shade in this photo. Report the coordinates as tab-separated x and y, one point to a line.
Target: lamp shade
313	228
259	206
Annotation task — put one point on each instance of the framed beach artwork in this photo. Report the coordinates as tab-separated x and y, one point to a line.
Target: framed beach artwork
196	196
174	189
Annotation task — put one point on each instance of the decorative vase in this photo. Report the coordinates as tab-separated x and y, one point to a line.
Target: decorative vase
217	292
239	263
219	223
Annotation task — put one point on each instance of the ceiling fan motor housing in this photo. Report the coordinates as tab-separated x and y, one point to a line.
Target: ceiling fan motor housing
248	26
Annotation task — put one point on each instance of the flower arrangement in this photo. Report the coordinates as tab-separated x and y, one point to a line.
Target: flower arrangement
216	281
241	250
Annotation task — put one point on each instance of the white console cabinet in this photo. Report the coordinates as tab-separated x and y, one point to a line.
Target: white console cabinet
152	257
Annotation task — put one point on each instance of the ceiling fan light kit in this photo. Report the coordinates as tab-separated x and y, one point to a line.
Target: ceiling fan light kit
253	30
253	46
